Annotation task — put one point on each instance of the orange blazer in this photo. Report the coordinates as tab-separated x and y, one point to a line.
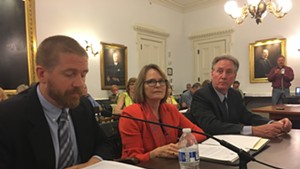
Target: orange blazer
139	138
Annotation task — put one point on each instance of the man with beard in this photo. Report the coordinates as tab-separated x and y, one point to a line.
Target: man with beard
50	125
218	109
281	77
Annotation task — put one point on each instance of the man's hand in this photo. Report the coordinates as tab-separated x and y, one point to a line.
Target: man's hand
287	125
167	151
272	130
91	161
277	71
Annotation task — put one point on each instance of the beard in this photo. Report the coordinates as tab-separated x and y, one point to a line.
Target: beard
65	99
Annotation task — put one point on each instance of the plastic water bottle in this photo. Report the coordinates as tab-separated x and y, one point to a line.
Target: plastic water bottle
188	150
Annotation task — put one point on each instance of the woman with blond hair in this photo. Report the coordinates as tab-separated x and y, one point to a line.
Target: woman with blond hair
171	99
126	98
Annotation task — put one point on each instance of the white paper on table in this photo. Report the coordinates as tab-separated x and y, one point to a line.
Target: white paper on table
241	141
105	164
216	152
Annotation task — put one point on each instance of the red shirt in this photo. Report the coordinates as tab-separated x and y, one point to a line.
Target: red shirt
275	78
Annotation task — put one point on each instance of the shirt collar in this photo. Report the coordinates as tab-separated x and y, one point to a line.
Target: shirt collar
49	109
220	95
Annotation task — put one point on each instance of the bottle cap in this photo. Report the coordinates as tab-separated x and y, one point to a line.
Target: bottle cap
186	130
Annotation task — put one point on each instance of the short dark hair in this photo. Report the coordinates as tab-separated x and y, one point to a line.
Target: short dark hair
226	57
196	85
49	50
236	82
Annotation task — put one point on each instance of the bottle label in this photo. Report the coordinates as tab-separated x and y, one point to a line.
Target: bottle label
191	156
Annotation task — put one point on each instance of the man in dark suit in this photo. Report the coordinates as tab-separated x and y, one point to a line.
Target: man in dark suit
219	109
263	65
29	128
115	71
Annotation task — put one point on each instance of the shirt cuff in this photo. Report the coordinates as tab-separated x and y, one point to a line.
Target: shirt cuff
247	130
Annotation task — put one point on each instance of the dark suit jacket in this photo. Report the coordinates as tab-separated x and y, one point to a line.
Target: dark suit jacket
25	139
208	112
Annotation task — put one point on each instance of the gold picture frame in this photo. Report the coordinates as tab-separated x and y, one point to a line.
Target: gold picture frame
263	56
113	65
21	45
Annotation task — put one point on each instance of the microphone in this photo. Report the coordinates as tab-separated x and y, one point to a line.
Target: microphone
282	71
244	156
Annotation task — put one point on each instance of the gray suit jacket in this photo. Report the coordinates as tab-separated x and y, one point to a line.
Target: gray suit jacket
209	114
25	139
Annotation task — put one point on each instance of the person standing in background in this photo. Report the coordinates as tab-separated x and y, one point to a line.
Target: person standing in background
281	77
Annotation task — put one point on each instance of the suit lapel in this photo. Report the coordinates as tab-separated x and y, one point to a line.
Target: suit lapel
219	104
39	135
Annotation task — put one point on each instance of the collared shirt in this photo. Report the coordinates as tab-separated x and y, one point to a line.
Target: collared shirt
247	130
275	78
186	97
93	101
52	113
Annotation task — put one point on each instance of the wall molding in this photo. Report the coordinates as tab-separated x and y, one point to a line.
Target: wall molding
148	30
212	34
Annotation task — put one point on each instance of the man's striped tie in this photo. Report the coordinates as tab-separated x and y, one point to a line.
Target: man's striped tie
66	157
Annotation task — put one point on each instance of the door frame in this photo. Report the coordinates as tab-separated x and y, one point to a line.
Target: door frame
206	37
153	34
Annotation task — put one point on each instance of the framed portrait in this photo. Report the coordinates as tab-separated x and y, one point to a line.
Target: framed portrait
263	56
17	44
113	63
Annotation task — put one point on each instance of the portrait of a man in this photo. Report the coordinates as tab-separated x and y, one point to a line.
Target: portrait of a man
114	65
263	56
115	71
262	64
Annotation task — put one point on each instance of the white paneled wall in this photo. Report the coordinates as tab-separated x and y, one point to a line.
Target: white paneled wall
112	21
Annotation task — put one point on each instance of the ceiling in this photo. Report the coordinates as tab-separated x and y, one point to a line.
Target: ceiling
185	5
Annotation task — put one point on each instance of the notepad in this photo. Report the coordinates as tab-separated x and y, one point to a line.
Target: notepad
212	150
105	164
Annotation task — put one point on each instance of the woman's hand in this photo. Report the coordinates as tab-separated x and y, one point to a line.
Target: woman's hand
166	151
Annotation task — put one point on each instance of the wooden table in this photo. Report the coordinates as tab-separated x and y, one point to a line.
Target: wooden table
283	152
276	112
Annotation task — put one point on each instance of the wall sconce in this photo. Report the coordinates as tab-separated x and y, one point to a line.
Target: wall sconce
89	47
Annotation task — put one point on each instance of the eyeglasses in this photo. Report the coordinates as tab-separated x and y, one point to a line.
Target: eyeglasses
153	82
